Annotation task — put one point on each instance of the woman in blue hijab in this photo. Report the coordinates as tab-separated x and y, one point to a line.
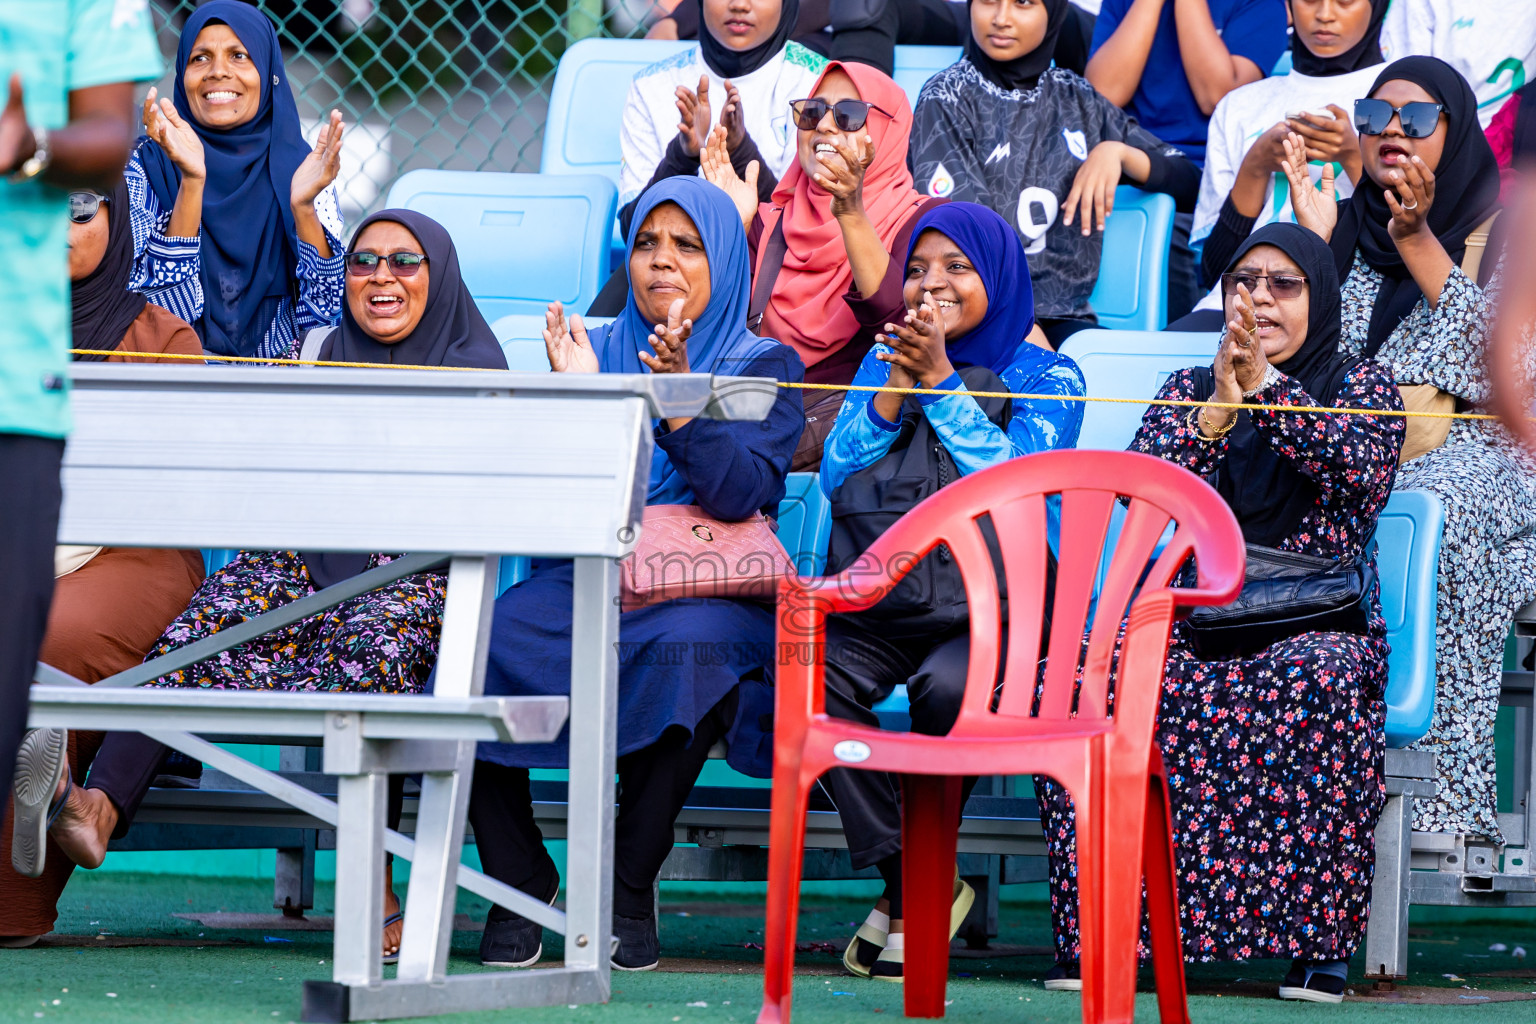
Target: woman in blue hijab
970	305
971	312
682	663
235	221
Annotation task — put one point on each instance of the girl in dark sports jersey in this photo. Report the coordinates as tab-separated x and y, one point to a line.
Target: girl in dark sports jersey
1003	128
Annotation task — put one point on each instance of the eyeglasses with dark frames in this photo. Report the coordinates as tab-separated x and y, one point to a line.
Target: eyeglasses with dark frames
1281	286
401	264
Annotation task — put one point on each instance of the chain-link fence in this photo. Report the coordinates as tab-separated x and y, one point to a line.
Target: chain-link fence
461	84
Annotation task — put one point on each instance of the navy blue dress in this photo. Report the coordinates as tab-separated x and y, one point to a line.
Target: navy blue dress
678	659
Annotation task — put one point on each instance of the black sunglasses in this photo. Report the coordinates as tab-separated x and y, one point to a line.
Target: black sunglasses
1281	286
401	264
849	115
1419	119
84	205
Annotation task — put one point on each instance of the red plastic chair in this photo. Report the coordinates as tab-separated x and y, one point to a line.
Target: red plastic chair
1110	765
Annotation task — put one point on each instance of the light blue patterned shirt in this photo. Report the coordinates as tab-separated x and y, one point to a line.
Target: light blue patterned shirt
167	269
861	436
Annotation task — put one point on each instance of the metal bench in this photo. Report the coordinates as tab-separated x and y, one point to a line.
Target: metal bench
458	468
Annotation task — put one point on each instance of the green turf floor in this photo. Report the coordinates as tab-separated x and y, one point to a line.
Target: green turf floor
121	954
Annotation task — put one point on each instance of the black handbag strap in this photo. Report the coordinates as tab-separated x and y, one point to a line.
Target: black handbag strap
767	274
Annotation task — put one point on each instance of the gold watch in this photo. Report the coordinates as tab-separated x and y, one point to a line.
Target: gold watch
38	162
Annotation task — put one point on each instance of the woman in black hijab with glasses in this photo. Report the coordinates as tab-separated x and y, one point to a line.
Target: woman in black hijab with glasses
1418	294
1038	145
406	304
1274	751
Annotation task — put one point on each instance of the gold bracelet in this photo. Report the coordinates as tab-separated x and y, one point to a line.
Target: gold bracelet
1194	424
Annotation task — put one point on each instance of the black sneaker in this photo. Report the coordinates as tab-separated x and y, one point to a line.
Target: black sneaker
1312	986
639	945
511	940
178	771
1064	976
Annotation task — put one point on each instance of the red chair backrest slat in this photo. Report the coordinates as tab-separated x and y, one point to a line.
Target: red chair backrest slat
1014	495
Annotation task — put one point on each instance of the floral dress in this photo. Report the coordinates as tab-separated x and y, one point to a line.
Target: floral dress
1488	550
1274	762
384	641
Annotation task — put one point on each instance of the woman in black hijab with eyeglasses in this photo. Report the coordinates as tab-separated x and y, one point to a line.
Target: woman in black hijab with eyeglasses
406	304
1418	294
1274	750
1039	146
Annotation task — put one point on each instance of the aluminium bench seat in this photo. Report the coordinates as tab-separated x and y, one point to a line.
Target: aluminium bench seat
460	469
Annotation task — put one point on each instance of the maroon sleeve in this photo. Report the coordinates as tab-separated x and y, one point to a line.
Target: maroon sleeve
886	304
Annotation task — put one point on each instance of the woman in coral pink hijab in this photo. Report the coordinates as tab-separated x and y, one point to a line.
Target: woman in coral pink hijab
824	279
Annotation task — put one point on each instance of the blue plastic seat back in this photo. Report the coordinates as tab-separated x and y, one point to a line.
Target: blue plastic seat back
805	522
522	340
1408	566
1132	290
524	240
586	105
916	64
1123	364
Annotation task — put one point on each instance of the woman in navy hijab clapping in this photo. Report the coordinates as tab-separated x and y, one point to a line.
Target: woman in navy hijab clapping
235	220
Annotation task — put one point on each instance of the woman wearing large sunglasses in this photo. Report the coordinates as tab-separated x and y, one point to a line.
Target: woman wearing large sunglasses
825	281
1414	302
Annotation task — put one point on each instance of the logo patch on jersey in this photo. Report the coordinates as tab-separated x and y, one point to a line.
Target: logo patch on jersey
1077	143
941	184
781	130
999	153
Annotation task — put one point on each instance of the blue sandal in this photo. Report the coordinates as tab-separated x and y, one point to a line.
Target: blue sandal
392	958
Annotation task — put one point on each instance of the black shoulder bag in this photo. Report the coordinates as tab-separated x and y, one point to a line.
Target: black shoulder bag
931	597
1285	594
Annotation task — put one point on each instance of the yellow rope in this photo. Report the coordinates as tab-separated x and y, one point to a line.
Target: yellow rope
1174	402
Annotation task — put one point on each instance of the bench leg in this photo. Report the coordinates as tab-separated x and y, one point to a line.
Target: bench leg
433	890
293	884
590	793
361	804
1386	936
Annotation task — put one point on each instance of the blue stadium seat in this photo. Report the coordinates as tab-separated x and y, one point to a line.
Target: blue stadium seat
586	105
1132	290
1408	565
1126	364
805	523
522	340
526	239
916	64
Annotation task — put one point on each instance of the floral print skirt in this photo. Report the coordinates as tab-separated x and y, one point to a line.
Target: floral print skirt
384	641
1276	780
1487	571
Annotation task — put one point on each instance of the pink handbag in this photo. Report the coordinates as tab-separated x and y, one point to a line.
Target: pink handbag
684	552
